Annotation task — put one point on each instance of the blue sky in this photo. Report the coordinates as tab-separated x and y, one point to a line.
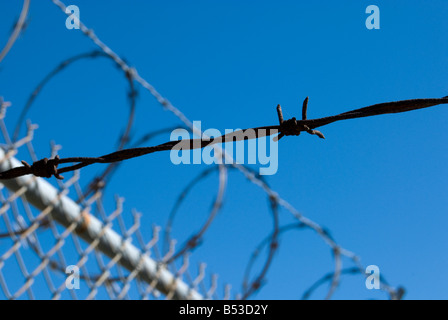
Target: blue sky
378	184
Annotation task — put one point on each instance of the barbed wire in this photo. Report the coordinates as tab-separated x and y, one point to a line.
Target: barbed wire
49	167
250	176
292	127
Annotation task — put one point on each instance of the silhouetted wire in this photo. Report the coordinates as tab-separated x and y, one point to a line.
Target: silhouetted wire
47	168
101	180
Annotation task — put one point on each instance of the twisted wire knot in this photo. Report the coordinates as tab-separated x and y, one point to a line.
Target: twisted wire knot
291	127
44	168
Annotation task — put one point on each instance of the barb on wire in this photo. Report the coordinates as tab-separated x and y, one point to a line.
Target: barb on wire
292	127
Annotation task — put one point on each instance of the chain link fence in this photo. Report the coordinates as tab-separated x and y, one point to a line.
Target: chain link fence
50	240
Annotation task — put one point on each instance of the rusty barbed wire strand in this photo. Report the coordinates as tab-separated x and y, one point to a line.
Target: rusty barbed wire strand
336	250
292	127
18	27
326	232
101	180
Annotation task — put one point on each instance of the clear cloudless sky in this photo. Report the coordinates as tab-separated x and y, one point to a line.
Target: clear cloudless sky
379	184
